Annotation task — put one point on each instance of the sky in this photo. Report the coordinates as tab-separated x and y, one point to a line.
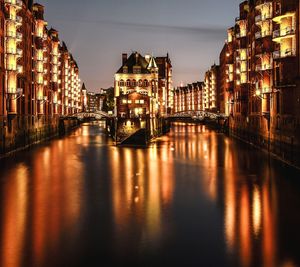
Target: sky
97	32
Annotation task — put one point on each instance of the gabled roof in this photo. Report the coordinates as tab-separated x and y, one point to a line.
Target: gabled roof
135	59
152	63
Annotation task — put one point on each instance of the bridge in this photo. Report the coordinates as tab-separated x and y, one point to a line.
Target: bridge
98	115
198	115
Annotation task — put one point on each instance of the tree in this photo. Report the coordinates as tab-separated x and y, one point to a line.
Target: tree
109	101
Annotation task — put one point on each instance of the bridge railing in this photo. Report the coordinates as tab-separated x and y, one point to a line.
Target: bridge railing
85	115
199	115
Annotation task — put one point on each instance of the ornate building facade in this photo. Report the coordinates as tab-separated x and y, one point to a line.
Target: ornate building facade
39	79
143	94
260	63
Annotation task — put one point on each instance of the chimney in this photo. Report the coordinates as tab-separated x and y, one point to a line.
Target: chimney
124	58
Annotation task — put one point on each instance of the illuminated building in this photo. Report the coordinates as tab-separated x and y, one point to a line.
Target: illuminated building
259	69
211	89
141	78
142	87
34	88
189	98
165	85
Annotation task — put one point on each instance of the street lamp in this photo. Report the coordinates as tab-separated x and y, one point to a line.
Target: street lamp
14	96
43	100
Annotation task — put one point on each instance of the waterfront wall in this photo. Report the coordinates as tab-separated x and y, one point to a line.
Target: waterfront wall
25	131
125	128
283	144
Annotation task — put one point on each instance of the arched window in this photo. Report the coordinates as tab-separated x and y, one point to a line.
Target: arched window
128	83
134	84
140	83
146	84
121	83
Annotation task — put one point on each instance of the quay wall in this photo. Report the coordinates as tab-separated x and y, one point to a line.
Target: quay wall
24	131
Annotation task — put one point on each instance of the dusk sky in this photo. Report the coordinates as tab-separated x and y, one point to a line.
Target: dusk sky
97	32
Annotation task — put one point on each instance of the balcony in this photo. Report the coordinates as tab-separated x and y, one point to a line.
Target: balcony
264	17
11	67
280	16
19	69
287	32
258	35
19	20
290	52
16	3
11	51
19	36
19	52
263	67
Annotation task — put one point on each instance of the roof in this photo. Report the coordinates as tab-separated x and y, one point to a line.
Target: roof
135	59
152	63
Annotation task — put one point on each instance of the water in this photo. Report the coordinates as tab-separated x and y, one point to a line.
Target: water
193	198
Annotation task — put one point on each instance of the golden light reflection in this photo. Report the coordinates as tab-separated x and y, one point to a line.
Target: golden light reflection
256	211
14	217
51	188
142	185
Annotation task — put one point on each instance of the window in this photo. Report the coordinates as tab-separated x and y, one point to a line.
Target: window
121	83
146	84
137	69
128	83
142	101
124	101
125	69
134	84
137	101
129	101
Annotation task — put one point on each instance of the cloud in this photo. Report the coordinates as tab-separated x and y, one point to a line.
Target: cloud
214	32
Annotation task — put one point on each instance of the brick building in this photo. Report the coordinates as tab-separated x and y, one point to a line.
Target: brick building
39	78
261	89
211	89
143	76
39	75
189	98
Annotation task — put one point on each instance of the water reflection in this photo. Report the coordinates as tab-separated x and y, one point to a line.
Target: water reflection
193	198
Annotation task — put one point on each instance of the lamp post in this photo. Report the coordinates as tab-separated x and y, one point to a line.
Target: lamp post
265	96
12	97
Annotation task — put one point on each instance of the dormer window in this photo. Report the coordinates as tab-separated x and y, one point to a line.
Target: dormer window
137	69
122	83
125	69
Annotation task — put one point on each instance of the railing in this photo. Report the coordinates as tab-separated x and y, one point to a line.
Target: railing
284	32
265	90
263	17
258	35
258	18
290	52
18	3
262	67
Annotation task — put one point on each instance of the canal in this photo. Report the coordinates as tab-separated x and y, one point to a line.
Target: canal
193	198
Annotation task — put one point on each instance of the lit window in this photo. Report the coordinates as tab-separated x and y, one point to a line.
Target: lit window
137	69
129	102
142	101
137	101
124	101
